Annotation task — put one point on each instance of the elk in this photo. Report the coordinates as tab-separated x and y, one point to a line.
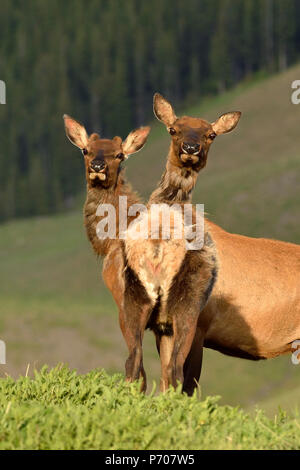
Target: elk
105	184
172	284
253	311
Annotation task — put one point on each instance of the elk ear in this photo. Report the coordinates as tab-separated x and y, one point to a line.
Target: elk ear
117	140
163	110
76	132
94	136
226	123
135	140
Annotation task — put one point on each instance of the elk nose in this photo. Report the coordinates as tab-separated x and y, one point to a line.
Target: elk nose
97	165
190	148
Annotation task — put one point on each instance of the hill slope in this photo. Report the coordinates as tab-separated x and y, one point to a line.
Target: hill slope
54	307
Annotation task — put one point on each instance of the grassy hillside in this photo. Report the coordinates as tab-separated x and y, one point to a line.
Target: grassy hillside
53	305
98	411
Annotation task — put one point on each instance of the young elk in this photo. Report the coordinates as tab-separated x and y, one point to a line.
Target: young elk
173	281
105	184
254	309
191	139
176	283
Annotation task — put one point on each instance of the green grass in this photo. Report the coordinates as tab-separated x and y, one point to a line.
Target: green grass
53	305
59	409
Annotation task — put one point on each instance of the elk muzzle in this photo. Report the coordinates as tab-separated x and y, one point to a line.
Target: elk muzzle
190	153
189	148
98	169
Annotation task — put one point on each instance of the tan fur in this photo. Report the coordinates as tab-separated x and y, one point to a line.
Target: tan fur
178	181
166	350
255	306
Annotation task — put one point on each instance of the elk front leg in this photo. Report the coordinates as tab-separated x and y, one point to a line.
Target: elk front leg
175	348
193	364
166	344
187	297
112	267
184	332
169	348
133	324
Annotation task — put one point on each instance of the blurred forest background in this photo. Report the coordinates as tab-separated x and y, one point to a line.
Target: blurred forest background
102	60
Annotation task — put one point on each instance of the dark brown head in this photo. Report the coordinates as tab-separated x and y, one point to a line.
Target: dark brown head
191	137
103	157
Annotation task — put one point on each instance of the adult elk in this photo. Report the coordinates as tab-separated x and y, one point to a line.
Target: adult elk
105	185
254	309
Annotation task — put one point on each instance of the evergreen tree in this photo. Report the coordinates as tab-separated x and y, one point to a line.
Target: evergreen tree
101	61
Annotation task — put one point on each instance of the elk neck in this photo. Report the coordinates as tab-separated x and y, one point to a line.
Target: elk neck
176	184
98	195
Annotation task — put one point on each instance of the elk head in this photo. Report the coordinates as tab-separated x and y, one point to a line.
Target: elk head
191	137
103	157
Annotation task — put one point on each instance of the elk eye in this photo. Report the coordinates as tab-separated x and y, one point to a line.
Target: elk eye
84	151
120	156
212	136
172	131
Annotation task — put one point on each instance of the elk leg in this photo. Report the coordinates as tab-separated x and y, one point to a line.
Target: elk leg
184	333
193	364
116	285
196	277
175	348
133	324
157	342
165	351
